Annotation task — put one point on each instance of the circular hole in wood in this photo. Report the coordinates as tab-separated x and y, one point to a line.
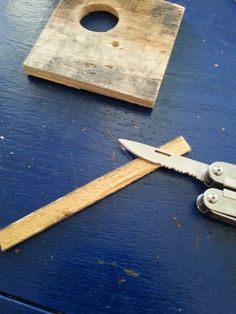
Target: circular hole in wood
99	18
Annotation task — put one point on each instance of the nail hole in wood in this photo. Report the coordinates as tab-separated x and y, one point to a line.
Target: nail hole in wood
115	43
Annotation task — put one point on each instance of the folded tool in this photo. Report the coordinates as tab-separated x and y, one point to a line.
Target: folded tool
219	201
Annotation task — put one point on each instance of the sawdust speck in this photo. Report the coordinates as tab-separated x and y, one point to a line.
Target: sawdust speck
178	224
120	281
127	271
100	262
113	264
131	273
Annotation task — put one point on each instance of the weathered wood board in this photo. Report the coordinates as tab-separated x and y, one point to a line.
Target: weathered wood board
127	62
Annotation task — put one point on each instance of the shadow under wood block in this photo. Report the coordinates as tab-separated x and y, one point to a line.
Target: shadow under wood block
127	61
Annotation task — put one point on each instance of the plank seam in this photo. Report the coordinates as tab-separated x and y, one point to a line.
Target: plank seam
29	303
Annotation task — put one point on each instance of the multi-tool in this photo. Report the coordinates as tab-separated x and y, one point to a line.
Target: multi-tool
219	201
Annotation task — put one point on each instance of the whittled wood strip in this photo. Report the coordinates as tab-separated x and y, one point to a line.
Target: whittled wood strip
127	62
83	197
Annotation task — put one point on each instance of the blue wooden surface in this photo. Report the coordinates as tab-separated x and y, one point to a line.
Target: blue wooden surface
145	249
12	304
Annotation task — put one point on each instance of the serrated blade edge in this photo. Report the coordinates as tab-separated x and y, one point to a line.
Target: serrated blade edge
180	164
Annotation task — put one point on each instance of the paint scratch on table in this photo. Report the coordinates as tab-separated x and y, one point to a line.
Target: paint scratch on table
178	224
128	271
197	237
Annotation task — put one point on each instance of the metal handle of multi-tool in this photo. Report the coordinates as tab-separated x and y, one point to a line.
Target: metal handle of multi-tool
221	175
218	204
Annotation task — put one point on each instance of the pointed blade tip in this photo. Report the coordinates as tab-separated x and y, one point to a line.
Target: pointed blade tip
123	142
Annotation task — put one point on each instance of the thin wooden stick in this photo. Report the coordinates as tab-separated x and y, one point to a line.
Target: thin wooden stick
83	197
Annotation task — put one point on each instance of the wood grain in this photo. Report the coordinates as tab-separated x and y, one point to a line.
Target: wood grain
127	62
83	197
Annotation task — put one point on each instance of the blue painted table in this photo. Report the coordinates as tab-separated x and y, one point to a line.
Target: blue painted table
145	249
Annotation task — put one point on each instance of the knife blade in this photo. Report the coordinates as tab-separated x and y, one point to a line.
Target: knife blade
214	203
180	164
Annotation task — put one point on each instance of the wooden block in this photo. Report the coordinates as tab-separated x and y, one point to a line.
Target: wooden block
127	62
83	197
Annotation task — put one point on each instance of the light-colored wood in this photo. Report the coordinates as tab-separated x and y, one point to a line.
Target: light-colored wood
83	197
127	62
